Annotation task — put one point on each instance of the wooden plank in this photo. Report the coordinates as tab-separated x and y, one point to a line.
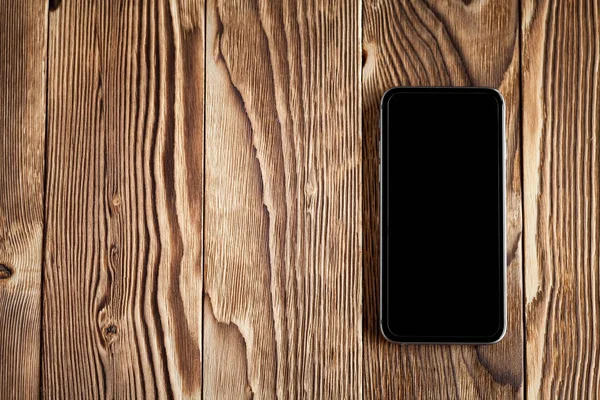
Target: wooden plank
561	114
123	275
429	43
283	270
23	27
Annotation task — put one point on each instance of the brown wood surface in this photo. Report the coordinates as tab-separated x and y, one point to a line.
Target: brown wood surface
283	272
22	126
123	256
430	43
561	114
180	213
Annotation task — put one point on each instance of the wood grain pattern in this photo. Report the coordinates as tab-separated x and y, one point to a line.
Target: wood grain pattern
561	111
429	43
22	132
286	304
283	198
123	260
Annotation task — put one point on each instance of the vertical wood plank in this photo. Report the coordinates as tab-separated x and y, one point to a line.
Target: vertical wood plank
561	114
283	272
430	43
23	32
123	260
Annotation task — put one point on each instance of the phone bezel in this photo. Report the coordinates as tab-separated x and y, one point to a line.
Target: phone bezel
383	180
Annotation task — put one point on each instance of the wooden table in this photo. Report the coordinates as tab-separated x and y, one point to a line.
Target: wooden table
188	196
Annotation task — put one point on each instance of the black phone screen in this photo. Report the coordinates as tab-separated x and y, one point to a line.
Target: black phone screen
442	217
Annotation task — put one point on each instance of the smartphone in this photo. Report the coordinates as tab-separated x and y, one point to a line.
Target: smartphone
442	182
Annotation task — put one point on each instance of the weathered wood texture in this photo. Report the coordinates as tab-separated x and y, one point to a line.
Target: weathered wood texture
283	273
413	43
290	301
561	115
22	127
123	259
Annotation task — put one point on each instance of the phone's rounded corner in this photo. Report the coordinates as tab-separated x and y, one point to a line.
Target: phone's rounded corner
495	93
387	333
387	96
498	336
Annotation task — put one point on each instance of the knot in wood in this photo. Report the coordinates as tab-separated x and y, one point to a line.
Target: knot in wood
53	4
5	272
110	330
